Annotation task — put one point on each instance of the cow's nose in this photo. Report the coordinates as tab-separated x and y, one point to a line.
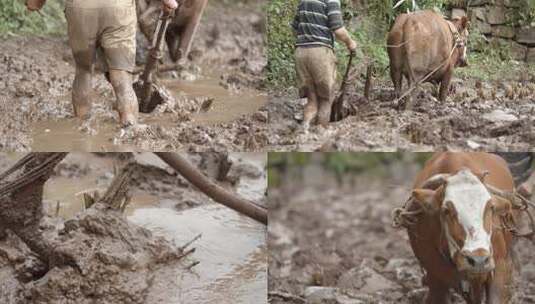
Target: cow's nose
478	261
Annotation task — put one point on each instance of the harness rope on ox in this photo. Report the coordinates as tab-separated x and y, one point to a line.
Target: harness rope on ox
458	42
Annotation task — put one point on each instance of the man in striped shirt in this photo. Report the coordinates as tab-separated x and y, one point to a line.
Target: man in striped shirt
317	23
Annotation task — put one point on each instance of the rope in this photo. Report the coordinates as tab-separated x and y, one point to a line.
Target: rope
405	217
397	45
458	41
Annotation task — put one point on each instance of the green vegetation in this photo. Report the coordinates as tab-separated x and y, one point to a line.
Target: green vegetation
281	69
15	19
369	30
341	164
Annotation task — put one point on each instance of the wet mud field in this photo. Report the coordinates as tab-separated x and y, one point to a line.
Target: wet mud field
486	115
136	257
219	98
334	243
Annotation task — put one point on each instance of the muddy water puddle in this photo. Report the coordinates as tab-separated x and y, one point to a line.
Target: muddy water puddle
231	251
66	134
227	105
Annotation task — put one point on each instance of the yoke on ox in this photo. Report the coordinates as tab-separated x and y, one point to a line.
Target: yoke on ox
461	224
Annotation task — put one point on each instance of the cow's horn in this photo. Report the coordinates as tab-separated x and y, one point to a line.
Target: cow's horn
435	181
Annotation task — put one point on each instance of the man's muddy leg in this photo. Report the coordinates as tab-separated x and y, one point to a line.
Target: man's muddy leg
325	103
311	109
81	92
325	78
324	113
3	233
127	104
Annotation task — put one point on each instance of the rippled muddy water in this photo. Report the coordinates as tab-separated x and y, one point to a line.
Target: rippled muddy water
232	250
66	134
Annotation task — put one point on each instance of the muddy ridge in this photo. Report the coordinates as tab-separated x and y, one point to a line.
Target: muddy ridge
478	115
99	254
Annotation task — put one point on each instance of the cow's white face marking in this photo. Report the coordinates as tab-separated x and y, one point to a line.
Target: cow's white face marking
469	197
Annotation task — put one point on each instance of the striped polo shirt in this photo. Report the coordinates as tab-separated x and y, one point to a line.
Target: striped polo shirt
315	22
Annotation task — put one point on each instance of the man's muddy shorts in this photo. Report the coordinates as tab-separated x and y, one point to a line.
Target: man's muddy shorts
107	25
316	71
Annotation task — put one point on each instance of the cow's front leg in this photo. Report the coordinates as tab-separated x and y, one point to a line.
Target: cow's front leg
438	293
499	286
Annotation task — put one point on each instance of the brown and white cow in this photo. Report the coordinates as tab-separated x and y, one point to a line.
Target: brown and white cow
423	43
459	239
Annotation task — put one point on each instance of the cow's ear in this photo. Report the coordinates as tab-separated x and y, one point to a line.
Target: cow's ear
501	205
426	198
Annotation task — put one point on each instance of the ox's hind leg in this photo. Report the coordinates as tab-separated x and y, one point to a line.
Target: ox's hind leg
311	109
445	85
397	79
438	293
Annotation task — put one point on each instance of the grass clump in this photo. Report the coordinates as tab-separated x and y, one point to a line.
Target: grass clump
16	20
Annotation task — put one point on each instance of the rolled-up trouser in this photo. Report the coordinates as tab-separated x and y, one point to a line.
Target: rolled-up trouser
316	70
316	73
108	25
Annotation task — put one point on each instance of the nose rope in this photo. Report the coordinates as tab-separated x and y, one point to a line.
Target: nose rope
407	215
518	203
403	217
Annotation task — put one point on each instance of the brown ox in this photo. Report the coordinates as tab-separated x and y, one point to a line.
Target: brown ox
459	239
424	43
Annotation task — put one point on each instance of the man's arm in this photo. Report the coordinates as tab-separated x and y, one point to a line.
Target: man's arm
336	24
343	35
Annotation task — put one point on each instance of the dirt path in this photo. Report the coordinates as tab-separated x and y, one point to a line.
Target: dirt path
225	70
340	239
479	115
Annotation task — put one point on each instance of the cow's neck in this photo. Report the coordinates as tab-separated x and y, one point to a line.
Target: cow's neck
455	38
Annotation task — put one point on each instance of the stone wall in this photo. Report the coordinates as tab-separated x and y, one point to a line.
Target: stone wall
493	18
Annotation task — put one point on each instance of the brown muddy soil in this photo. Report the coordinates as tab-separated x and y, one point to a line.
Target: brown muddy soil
109	257
332	243
478	115
219	98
